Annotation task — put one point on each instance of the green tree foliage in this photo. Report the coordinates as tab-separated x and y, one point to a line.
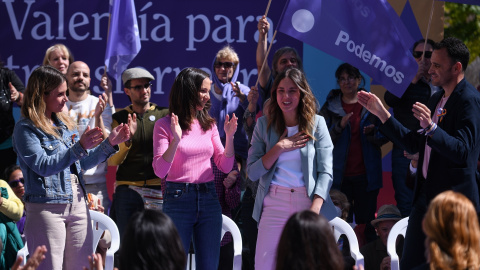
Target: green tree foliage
463	22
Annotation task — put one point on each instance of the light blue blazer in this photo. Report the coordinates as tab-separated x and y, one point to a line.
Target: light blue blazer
316	164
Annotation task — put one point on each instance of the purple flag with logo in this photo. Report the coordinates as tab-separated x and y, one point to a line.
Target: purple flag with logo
368	34
123	38
468	2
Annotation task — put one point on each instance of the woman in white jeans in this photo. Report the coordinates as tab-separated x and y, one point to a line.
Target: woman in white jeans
53	156
291	154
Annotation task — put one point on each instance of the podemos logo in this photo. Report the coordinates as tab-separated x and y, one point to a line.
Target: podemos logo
373	60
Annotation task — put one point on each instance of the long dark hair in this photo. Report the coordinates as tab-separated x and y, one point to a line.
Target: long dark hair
307	107
151	241
306	243
184	99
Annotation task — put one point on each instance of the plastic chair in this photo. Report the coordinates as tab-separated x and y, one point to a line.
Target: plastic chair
100	223
341	227
24	253
399	228
228	225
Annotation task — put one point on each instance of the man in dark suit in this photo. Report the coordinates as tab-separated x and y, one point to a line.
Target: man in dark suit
449	141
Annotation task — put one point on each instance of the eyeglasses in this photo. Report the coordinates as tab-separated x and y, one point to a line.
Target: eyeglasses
224	64
345	80
14	183
140	87
418	54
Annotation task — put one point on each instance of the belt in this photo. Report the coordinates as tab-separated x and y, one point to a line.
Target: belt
202	187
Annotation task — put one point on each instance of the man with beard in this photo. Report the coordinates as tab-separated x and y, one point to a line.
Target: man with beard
447	143
137	186
89	111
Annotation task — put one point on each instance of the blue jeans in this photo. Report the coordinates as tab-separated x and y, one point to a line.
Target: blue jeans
403	195
126	202
195	210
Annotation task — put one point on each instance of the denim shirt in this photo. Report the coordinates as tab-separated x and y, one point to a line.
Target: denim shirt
45	161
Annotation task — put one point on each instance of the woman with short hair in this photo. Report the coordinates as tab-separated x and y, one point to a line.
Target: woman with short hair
59	57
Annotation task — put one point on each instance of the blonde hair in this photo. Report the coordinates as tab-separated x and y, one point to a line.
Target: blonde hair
61	47
453	233
42	81
228	53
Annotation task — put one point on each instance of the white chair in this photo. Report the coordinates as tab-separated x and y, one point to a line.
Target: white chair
24	253
399	228
100	223
228	225
341	227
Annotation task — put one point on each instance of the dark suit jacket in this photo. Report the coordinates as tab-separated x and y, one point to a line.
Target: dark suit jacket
455	145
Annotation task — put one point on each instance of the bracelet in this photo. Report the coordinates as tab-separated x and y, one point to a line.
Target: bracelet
429	126
431	131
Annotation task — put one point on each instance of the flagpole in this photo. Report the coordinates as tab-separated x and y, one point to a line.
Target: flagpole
108	35
428	29
268	7
271	43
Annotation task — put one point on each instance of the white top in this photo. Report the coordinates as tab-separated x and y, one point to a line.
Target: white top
83	113
288	172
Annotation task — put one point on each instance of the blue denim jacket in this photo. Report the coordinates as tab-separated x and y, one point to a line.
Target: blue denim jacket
45	161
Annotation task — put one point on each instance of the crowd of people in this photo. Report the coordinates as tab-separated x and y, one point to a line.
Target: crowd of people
269	157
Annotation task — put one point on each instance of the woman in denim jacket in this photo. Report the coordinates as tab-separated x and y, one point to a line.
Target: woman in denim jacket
53	157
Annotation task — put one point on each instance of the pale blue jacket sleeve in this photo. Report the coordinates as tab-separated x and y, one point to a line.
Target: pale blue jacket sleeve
323	158
258	149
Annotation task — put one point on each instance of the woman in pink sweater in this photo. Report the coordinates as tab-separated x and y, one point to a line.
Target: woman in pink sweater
183	144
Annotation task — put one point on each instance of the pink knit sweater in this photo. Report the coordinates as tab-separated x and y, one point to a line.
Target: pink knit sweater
192	159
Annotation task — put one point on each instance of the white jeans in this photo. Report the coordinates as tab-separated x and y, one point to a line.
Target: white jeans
65	229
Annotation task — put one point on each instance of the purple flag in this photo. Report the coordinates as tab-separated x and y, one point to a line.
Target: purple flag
123	38
369	35
468	2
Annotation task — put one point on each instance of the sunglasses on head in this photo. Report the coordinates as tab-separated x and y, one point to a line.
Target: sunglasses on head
418	54
224	64
14	183
141	87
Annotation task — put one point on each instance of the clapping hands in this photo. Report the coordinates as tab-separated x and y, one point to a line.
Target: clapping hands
119	134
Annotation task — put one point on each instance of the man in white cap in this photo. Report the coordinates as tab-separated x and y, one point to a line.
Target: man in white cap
137	186
375	253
